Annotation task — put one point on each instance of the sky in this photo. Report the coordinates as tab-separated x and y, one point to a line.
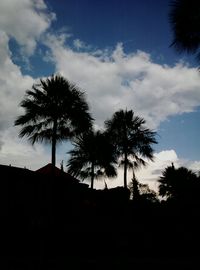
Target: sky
119	54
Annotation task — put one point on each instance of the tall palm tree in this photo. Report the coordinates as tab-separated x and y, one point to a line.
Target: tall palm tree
55	109
92	157
185	22
131	139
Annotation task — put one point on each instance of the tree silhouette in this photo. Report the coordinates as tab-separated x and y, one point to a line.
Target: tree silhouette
185	22
134	187
131	139
179	184
141	192
55	110
92	157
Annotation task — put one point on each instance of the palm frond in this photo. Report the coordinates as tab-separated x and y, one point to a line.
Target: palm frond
185	23
92	156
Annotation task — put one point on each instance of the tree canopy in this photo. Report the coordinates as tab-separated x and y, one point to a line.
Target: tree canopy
179	184
132	140
93	157
55	110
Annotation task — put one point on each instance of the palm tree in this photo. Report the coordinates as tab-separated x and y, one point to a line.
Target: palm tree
55	109
131	139
179	183
185	22
92	157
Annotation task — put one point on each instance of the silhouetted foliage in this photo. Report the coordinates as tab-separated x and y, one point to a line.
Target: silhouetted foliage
185	23
142	192
93	157
52	223
179	184
134	187
55	110
131	138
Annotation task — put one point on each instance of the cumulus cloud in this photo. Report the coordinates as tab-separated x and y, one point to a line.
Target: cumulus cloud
25	21
20	153
1	143
13	85
80	45
194	166
154	169
115	79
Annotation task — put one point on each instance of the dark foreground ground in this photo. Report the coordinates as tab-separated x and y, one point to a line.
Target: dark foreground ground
48	224
99	241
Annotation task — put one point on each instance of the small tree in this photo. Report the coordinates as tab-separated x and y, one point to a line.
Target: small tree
135	188
142	192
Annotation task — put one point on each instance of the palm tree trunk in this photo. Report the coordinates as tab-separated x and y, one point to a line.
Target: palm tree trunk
92	176
125	169
53	156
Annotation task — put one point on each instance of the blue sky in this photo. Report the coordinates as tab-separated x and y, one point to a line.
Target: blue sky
137	24
119	53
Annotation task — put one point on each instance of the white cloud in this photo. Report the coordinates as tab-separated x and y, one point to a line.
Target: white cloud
114	80
20	153
153	170
78	44
25	21
194	166
13	85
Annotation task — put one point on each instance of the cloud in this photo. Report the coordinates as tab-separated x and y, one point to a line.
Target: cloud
194	166
115	79
13	85
154	169
80	45
25	21
20	153
1	143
